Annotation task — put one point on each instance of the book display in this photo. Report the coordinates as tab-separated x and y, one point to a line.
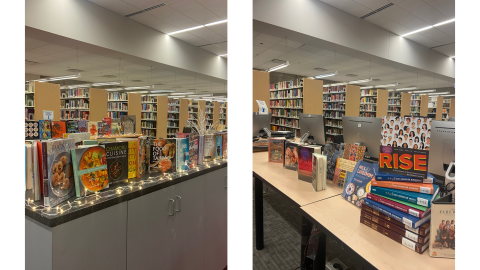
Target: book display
286	104
368	103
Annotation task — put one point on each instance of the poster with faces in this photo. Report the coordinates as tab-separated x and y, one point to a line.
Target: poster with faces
406	132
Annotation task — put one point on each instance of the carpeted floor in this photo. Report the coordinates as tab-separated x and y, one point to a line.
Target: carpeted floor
282	237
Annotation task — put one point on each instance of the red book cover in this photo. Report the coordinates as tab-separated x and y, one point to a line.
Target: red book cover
401	207
58	129
275	150
422	230
108	120
305	158
419	248
40	164
389	225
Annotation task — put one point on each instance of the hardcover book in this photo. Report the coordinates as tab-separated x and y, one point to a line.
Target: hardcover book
104	128
319	172
32	131
305	161
275	150
419	248
442	235
209	148
201	149
45	129
162	155
401	206
422	230
407	196
82	126
404	146
291	155
330	150
93	128
358	184
406	219
90	169
193	150
142	160
79	137
342	167
380	176
128	124
218	146
354	152
116	128
72	126
224	144
117	161
413	187
132	158
58	129
182	154
59	184
398	229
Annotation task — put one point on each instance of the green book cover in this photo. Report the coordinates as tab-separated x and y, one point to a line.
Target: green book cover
89	169
419	207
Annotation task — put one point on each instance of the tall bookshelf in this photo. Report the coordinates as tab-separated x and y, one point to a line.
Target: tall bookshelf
117	105
446	110
135	108
183	115
209	106
405	109
148	117
29	101
439	109
382	103
368	103
261	87
173	117
394	103
286	104
424	105
452	107
415	102
75	104
45	98
223	114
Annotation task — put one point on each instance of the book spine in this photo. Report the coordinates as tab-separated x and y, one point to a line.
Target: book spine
46	201
412	222
398	179
402	231
395	236
400	207
403	186
201	140
394	194
76	177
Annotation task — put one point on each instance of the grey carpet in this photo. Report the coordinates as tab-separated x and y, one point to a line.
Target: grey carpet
282	237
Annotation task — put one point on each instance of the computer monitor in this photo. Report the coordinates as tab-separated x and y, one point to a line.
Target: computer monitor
366	131
442	147
451	119
260	121
313	124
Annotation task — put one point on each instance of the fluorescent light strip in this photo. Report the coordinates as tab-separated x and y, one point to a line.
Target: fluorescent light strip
186	93
196	27
360	81
406	88
204	95
450	95
163	91
386	85
428	27
423	91
66	77
326	75
141	92
223	55
215	23
114	89
335	84
107	83
286	64
138	87
366	87
437	93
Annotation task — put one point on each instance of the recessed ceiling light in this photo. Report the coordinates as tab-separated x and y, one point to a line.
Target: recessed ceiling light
107	83
366	87
326	75
138	87
386	85
114	89
423	91
286	64
360	81
450	95
336	84
437	93
197	27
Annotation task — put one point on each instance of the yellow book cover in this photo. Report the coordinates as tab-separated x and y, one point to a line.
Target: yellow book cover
132	159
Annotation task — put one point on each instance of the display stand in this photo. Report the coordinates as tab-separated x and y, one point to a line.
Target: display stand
382	103
261	88
135	108
98	104
439	109
162	116
46	98
405	109
312	96
424	105
183	113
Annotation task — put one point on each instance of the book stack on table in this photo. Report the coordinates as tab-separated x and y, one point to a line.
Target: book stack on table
398	206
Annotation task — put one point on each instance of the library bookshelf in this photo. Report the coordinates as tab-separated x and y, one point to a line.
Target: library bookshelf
172	124
368	102
117	105
406	101
286	104
45	98
446	109
148	117
135	108
89	104
184	113
222	114
415	101
394	103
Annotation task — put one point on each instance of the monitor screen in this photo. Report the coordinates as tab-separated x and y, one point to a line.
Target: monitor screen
313	124
364	130
260	121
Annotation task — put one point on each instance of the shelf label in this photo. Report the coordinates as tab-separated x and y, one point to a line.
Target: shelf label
262	107
47	115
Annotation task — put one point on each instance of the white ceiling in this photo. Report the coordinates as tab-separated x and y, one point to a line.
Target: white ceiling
54	60
405	16
304	58
178	15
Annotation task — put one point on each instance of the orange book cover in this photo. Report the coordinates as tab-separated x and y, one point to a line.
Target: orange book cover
58	129
407	186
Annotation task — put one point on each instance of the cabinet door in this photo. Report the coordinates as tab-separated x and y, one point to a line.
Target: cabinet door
188	240
150	231
215	228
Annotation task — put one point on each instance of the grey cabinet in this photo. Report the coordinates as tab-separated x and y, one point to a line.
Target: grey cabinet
215	225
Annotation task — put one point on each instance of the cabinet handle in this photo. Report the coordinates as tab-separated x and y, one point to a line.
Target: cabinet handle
226	182
171	204
180	204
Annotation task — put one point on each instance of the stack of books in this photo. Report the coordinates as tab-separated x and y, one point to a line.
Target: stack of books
398	206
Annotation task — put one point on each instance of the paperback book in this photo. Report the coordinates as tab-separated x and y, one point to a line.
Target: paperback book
93	128
58	129
82	126
405	207
406	219
275	150
142	161
90	169
117	161
381	176
342	167
407	196
162	155
128	124
358	184
354	152
442	242
331	151
218	146
116	128
291	156
193	150
305	161
182	154
72	126
413	187
32	131
209	148
319	172
104	128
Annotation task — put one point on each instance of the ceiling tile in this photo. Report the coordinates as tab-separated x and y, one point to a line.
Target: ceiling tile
208	35
263	44
386	23
423	40
117	6
143	4
437	35
215	49
189	38
448	50
446	7
423	11
219	7
195	11
221	29
173	17
349	6
268	38
282	48
448	29
153	22
404	18
373	4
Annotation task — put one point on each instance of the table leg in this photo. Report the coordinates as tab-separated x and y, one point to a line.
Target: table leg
259	213
306	230
320	257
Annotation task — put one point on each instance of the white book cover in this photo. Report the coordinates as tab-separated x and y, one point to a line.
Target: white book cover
319	172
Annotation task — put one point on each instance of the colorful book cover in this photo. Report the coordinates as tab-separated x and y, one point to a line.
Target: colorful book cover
406	219
408	196
354	152
401	178
60	182
218	146
305	162
224	144
329	151
442	234
128	123
275	150
132	158
319	172
209	148
93	128
182	154
90	142
193	150
404	146
117	154
45	129
291	155
342	167
400	206
58	129
116	128
413	187
72	126
32	131
142	160
162	155
201	149
90	169
332	164
82	126
358	184
106	126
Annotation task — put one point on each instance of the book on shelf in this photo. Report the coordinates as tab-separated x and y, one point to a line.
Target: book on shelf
305	161
90	169
162	155
407	196
117	160
419	248
381	176
275	150
358	184
319	172
405	218
406	207
413	187
423	230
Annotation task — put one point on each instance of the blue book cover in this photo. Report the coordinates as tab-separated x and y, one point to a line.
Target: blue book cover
407	196
218	146
182	154
381	176
405	218
358	183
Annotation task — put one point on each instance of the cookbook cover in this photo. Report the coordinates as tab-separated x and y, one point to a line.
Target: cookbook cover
32	131
90	169
93	128
209	148
117	161
182	154
162	155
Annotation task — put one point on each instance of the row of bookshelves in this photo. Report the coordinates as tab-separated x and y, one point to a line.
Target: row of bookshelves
285	94
286	85
290	103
